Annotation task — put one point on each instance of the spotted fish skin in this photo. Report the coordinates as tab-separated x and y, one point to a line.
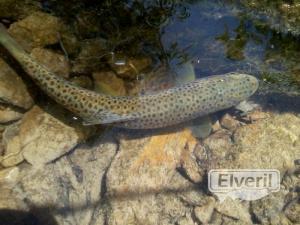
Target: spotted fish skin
161	109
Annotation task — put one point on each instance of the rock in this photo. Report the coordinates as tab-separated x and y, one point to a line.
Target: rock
256	115
280	207
92	51
155	177
56	63
8	179
40	138
82	81
269	143
269	210
194	196
219	143
130	68
147	186
204	213
221	219
12	88
87	23
7	114
292	211
291	183
37	30
229	122
235	209
216	126
13	154
109	83
70	189
247	106
17	9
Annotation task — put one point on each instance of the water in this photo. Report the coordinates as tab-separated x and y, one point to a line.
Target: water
220	38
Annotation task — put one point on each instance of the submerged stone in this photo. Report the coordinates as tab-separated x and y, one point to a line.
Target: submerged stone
12	88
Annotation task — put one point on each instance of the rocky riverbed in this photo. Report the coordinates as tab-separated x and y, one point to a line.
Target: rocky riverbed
56	171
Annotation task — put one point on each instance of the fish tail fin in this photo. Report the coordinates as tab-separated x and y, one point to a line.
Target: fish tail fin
9	43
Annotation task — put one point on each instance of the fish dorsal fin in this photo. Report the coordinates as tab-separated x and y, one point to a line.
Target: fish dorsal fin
106	118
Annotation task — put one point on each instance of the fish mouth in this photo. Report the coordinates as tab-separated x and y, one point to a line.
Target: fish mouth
254	83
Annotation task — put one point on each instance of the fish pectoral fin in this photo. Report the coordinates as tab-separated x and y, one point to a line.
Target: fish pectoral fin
107	118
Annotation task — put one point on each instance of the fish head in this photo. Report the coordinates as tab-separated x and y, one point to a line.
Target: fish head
232	88
243	85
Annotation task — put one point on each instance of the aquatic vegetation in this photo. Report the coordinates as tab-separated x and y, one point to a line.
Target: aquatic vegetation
280	15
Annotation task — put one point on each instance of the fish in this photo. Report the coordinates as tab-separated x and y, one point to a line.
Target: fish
156	110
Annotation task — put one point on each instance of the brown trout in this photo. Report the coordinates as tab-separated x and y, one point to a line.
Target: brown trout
161	109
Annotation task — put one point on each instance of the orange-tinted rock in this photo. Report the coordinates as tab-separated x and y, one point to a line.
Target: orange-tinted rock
37	30
108	83
54	62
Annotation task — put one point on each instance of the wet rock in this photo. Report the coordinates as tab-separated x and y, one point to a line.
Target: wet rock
204	212
216	126
12	88
221	219
12	154
71	188
82	81
235	209
291	183
7	114
219	143
89	59
269	143
247	106
281	207
130	68
8	179
37	30
256	115
87	23
147	186
54	62
292	211
229	122
269	210
192	170
40	138
17	9
109	83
